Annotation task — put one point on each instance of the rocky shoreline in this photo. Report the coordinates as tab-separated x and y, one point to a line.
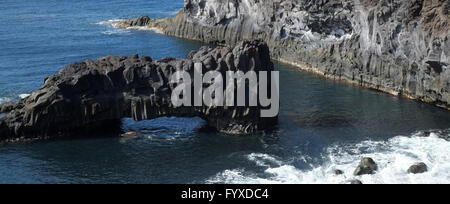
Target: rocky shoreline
398	47
91	97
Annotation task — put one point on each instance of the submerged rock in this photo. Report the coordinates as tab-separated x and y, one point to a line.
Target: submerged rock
394	46
425	133
366	166
338	172
95	95
418	168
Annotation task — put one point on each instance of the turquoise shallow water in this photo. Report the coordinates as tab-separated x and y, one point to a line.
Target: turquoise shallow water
323	124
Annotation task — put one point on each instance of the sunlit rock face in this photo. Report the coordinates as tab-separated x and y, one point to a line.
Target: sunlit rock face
93	96
396	46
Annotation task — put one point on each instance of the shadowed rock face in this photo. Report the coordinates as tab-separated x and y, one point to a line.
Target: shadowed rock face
395	46
93	96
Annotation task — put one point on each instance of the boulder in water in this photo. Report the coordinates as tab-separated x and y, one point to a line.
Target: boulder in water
366	166
425	133
338	172
418	168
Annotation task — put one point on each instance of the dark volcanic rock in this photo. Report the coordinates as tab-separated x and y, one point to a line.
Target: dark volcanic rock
395	46
366	166
141	21
425	133
7	107
338	172
95	95
356	182
418	168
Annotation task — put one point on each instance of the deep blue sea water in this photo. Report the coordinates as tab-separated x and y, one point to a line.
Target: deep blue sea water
323	125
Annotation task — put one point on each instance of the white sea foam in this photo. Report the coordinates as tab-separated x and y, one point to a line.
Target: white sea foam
9	99
393	157
5	100
112	22
263	160
116	32
113	28
22	96
145	28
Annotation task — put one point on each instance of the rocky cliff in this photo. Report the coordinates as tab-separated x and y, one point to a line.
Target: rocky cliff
396	46
92	97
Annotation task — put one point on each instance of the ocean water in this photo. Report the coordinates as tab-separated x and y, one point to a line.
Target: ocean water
323	125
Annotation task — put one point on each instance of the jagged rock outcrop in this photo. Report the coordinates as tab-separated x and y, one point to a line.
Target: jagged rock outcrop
135	22
93	96
395	46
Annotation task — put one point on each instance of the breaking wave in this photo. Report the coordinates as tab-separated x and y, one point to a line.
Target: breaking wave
144	28
22	96
9	99
113	29
5	100
109	22
393	157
